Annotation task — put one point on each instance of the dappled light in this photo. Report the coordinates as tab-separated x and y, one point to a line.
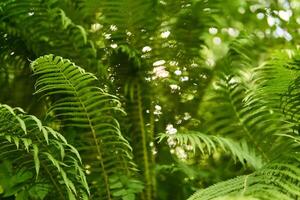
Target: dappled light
149	99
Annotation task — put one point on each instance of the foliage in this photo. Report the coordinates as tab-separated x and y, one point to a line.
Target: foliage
209	144
171	98
36	160
278	180
86	107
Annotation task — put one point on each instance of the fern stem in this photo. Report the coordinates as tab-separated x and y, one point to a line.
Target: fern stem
53	181
48	172
144	145
245	128
245	184
105	175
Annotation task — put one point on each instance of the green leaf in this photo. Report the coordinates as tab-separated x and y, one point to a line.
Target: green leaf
36	159
37	150
22	124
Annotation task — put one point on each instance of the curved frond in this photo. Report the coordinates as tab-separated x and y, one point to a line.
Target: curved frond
248	106
290	100
278	180
45	28
275	83
209	144
239	114
78	102
28	146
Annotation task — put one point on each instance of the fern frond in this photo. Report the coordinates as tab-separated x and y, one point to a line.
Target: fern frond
239	114
277	180
45	28
29	146
290	98
78	102
141	138
290	102
244	107
271	79
209	144
274	82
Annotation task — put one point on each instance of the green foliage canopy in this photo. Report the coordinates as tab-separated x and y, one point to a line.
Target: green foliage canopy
189	99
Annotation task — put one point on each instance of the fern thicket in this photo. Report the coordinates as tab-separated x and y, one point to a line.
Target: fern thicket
40	158
198	67
277	180
30	29
45	28
132	89
83	105
128	31
250	106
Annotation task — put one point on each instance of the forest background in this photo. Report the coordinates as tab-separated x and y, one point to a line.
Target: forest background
149	99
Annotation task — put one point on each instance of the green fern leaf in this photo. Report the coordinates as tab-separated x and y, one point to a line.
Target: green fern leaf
277	180
240	114
80	103
24	146
209	144
46	29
